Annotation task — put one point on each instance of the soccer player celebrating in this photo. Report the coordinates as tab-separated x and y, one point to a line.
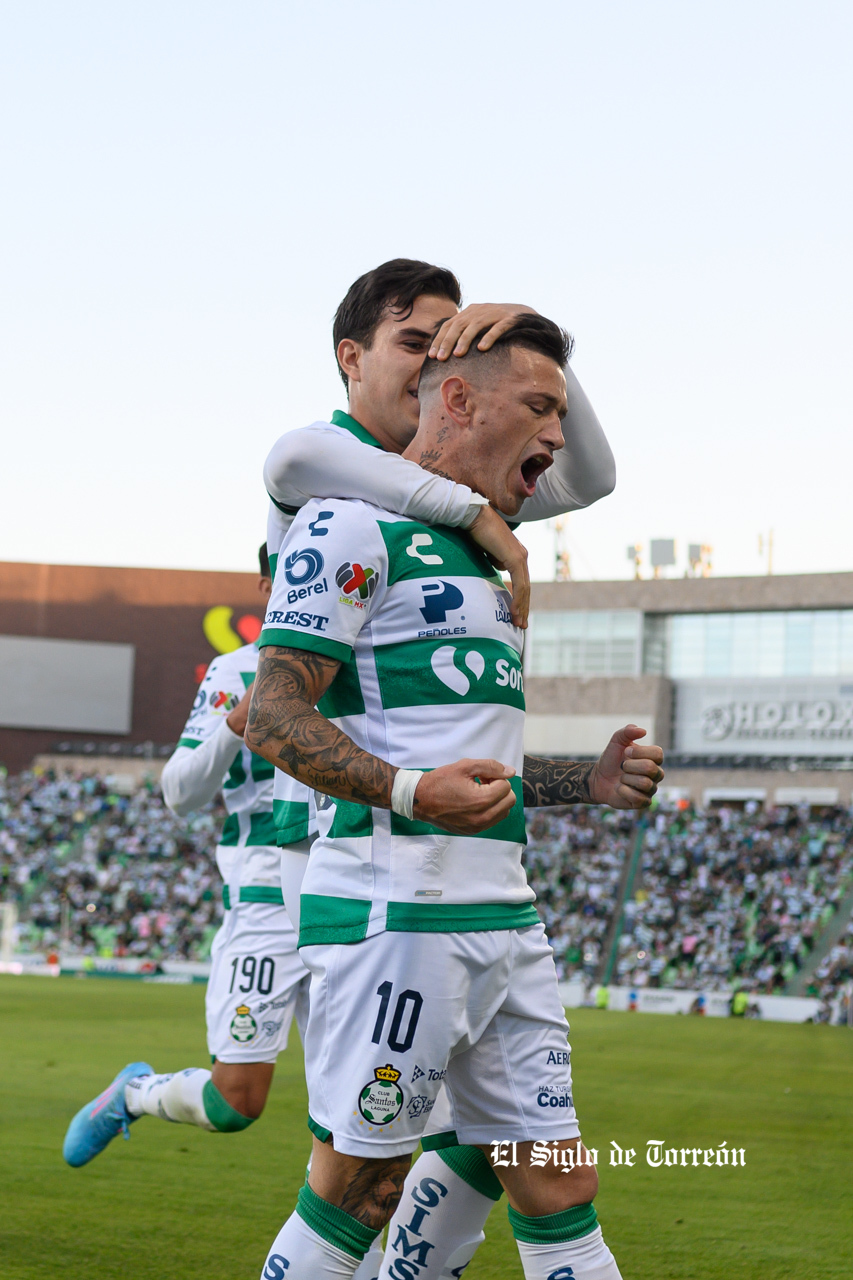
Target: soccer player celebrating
428	961
390	319
257	980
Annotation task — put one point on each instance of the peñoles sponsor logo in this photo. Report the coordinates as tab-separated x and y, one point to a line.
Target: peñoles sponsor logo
356	582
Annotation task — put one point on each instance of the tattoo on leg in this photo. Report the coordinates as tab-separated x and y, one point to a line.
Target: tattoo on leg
547	782
373	1192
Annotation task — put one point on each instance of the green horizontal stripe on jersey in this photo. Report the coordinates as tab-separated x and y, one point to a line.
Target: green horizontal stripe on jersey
247	677
458	917
341	419
291	821
343	697
407	673
192	743
287	638
262	829
511	828
230	831
254	893
351	820
429	551
326	919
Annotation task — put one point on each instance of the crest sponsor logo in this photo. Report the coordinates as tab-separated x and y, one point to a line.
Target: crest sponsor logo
293	618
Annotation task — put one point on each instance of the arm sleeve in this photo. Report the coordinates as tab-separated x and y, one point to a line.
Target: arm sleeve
584	469
193	776
319	462
354	568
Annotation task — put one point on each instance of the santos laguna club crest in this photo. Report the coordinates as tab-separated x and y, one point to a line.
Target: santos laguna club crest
243	1025
381	1101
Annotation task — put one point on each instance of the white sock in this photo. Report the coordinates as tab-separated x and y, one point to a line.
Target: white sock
369	1267
299	1253
176	1097
438	1225
587	1258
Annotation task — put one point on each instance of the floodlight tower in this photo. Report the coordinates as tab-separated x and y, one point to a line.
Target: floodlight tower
662	554
562	558
634	553
699	555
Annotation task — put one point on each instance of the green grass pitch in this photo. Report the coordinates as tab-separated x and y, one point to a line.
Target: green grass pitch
174	1202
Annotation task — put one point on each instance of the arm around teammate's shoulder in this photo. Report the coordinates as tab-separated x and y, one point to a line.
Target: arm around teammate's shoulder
322	462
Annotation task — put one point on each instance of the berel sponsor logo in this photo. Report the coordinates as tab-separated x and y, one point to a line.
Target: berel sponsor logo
302	593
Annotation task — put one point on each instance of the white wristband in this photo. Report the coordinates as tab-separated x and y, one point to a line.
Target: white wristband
403	791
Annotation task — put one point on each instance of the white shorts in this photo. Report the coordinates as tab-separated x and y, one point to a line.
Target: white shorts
257	983
394	1016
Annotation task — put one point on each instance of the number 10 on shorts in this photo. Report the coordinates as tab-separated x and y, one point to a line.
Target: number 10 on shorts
407	1010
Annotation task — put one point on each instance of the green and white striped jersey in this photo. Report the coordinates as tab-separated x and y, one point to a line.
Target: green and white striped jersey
341	458
247	788
431	674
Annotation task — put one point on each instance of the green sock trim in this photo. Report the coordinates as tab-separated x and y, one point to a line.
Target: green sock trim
220	1113
554	1228
472	1166
334	1224
438	1141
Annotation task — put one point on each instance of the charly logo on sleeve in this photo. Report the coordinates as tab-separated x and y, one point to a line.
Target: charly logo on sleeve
243	1025
381	1100
417	549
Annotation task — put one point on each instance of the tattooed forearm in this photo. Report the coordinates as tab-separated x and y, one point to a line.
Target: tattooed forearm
547	782
285	728
373	1192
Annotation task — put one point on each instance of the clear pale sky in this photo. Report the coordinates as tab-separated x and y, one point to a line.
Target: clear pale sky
190	188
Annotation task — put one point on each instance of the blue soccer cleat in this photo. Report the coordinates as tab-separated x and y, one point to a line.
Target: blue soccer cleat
101	1120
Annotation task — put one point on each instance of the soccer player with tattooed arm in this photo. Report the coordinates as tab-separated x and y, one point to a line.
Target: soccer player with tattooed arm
404	706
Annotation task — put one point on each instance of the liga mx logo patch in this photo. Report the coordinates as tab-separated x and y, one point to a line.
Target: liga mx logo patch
356	580
381	1101
243	1025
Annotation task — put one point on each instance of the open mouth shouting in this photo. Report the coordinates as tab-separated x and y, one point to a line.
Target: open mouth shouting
532	468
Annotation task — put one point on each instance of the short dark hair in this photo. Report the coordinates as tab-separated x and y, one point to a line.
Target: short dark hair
534	332
398	284
264	561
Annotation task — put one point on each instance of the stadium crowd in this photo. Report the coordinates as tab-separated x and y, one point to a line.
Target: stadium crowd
719	897
98	872
728	895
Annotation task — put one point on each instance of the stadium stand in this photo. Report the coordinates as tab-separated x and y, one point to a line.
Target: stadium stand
720	897
97	872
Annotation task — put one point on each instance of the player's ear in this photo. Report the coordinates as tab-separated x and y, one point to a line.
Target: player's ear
349	358
456	397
